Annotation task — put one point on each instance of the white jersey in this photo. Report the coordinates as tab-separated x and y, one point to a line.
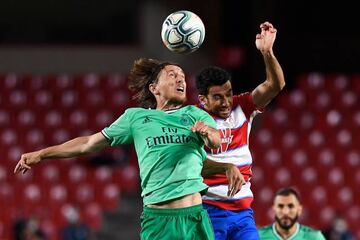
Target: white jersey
234	132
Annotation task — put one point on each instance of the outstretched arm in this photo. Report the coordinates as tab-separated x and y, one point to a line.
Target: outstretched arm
275	82
75	147
210	135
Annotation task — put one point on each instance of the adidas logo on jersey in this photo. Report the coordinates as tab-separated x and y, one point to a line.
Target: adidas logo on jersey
146	120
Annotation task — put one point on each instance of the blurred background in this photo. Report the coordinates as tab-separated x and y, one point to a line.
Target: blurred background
63	73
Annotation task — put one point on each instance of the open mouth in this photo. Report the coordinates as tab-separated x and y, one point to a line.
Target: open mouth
224	110
180	89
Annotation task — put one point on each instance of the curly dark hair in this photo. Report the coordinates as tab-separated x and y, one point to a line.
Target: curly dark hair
211	76
144	72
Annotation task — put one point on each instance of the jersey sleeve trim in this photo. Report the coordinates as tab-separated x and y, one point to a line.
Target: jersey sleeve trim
103	132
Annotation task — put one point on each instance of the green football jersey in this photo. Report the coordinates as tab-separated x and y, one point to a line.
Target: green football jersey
170	156
302	233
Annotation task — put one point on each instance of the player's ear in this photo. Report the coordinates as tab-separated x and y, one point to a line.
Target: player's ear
202	100
300	209
153	89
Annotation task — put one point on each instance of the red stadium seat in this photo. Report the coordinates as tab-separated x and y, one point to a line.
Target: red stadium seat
5	119
309	176
60	135
319	196
282	177
11	82
110	197
69	99
335	177
9	137
84	193
273	157
3	174
58	194
266	194
63	82
299	158
42	99
77	174
53	119
50	174
34	137
90	81
92	215
327	214
348	100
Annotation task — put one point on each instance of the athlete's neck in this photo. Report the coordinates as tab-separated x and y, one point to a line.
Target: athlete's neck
168	106
286	233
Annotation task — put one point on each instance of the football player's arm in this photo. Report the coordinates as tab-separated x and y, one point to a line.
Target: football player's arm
275	81
233	175
72	148
210	136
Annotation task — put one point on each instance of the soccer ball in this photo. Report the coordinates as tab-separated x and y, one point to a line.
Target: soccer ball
183	32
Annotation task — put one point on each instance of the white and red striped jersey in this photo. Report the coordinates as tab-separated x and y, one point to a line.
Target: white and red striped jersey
234	132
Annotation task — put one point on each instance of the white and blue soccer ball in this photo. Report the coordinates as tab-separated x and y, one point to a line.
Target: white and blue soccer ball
183	32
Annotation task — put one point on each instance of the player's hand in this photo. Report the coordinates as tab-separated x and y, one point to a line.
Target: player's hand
201	128
266	38
235	179
26	160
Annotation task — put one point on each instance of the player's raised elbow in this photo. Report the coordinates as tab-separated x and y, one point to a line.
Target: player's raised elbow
282	84
276	86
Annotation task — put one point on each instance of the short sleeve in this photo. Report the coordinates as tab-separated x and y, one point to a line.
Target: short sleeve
246	103
119	132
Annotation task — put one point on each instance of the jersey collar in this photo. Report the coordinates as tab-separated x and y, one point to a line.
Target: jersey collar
289	238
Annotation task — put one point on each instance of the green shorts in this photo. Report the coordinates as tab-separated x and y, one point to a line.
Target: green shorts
191	223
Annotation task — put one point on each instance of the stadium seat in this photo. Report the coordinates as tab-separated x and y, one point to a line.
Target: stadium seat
110	197
5	119
282	177
42	100
77	174
309	176
53	119
92	215
327	214
84	193
299	158
319	196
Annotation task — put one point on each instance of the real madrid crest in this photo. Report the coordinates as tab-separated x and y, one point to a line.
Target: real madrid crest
185	119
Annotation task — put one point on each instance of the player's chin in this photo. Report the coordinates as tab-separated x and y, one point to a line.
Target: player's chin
180	99
223	114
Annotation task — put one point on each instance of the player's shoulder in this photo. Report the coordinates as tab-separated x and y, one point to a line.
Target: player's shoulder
266	232
135	110
242	97
311	233
194	109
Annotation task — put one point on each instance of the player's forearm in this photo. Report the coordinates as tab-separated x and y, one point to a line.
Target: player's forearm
75	147
274	73
274	83
211	167
212	139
